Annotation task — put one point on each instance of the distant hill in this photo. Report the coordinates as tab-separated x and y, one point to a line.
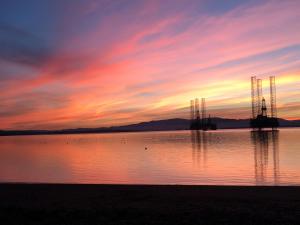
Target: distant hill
157	125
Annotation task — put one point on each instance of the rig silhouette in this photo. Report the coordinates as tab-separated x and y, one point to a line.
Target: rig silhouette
260	118
197	122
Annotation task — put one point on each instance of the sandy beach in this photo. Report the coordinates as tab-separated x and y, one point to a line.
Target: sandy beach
147	204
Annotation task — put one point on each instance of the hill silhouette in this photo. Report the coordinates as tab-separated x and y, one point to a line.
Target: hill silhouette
156	125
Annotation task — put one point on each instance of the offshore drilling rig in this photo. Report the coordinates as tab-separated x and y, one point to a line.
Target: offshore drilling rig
260	118
197	122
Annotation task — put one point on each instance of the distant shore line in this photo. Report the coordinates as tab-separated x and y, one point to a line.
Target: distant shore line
29	133
176	124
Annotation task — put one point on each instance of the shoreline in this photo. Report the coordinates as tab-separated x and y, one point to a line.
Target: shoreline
148	204
8	133
172	124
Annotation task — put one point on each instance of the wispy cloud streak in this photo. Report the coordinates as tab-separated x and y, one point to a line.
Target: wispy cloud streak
104	63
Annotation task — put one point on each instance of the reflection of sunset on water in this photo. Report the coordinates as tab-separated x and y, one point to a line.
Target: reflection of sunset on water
181	157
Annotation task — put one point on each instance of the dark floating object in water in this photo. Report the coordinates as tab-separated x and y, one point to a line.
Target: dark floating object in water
146	148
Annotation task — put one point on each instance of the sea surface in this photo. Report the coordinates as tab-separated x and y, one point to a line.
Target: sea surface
222	157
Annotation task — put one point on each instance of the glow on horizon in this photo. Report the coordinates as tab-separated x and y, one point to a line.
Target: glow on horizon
99	63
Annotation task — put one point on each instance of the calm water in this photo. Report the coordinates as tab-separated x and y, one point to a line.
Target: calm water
236	157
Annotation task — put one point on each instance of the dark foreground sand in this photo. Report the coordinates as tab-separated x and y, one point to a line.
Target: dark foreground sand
132	204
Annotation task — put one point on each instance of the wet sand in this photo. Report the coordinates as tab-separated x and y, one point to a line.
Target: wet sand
63	204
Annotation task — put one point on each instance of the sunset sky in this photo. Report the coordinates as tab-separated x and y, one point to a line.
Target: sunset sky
93	63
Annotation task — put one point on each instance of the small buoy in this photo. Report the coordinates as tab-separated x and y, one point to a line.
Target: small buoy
146	148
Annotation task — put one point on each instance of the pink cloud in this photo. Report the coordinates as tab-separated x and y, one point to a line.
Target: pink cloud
122	62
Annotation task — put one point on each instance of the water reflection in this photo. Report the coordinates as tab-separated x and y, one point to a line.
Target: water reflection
223	157
263	142
199	145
